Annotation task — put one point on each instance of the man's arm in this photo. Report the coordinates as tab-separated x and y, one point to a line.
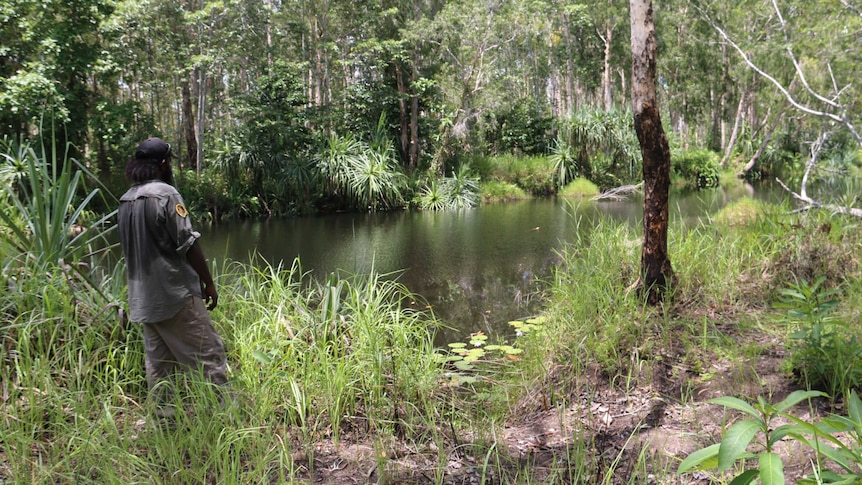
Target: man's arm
195	257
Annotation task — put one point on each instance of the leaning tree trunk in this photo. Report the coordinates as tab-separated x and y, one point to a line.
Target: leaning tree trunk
656	272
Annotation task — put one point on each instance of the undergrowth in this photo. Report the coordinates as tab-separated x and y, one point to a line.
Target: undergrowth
348	359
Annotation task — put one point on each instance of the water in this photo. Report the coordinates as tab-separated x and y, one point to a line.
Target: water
475	269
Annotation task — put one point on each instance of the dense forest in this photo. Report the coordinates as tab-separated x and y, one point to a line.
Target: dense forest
293	106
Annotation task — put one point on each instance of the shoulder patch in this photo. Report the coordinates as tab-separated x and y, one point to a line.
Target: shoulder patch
181	210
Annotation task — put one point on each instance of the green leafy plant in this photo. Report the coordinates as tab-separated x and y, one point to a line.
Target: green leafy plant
49	224
835	461
735	441
365	176
459	191
826	354
699	168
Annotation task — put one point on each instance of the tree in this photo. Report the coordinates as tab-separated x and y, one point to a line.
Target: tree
656	272
46	60
467	38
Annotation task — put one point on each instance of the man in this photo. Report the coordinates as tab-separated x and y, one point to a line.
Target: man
169	281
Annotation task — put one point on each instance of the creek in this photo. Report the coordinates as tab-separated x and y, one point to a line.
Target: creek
477	269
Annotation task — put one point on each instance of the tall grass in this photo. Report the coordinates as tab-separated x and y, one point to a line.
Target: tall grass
346	359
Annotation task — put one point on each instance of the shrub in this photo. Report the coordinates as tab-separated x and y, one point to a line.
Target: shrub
761	419
698	168
826	355
496	191
460	191
580	187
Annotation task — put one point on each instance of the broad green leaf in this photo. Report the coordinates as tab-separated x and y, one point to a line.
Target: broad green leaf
745	477
835	424
780	432
261	357
817	431
840	455
795	398
735	441
771	469
854	407
700	460
736	403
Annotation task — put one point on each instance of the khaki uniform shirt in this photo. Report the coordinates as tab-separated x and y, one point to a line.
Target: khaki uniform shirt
155	233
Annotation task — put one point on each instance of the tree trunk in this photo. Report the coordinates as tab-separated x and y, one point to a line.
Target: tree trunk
403	113
766	139
740	110
569	96
656	272
199	126
189	125
414	126
606	71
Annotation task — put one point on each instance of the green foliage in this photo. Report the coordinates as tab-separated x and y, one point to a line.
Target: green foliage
476	359
268	153
742	212
837	461
49	222
580	187
826	354
211	196
498	191
518	129
119	127
598	145
781	155
698	168
363	176
534	175
334	348
459	191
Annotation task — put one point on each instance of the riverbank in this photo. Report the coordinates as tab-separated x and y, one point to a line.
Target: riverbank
340	382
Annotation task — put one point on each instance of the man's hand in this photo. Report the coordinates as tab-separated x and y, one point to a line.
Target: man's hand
210	296
196	259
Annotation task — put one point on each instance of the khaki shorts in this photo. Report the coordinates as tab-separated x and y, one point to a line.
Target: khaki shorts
186	341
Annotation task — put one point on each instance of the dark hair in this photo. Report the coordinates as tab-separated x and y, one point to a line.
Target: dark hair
138	170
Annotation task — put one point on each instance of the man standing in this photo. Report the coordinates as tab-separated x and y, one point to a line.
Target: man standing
169	281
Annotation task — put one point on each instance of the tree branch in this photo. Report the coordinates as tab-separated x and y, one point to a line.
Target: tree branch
784	91
813	204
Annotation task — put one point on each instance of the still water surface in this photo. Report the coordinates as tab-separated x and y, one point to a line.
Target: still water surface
477	269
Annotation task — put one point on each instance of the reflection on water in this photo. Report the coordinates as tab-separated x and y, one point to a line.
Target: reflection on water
477	269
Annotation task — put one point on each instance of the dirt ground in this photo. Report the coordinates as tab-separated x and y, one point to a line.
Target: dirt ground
660	423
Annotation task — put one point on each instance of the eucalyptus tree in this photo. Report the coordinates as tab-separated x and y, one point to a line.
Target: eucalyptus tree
609	20
466	38
577	52
805	57
656	270
695	73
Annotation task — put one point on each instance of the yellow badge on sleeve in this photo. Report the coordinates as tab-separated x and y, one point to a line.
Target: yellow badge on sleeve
181	210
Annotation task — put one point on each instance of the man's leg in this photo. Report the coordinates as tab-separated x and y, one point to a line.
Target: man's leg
194	342
160	364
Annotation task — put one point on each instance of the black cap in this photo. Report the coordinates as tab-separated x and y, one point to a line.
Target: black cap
153	149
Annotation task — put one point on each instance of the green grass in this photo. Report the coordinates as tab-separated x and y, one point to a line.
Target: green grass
347	361
532	174
493	192
580	187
